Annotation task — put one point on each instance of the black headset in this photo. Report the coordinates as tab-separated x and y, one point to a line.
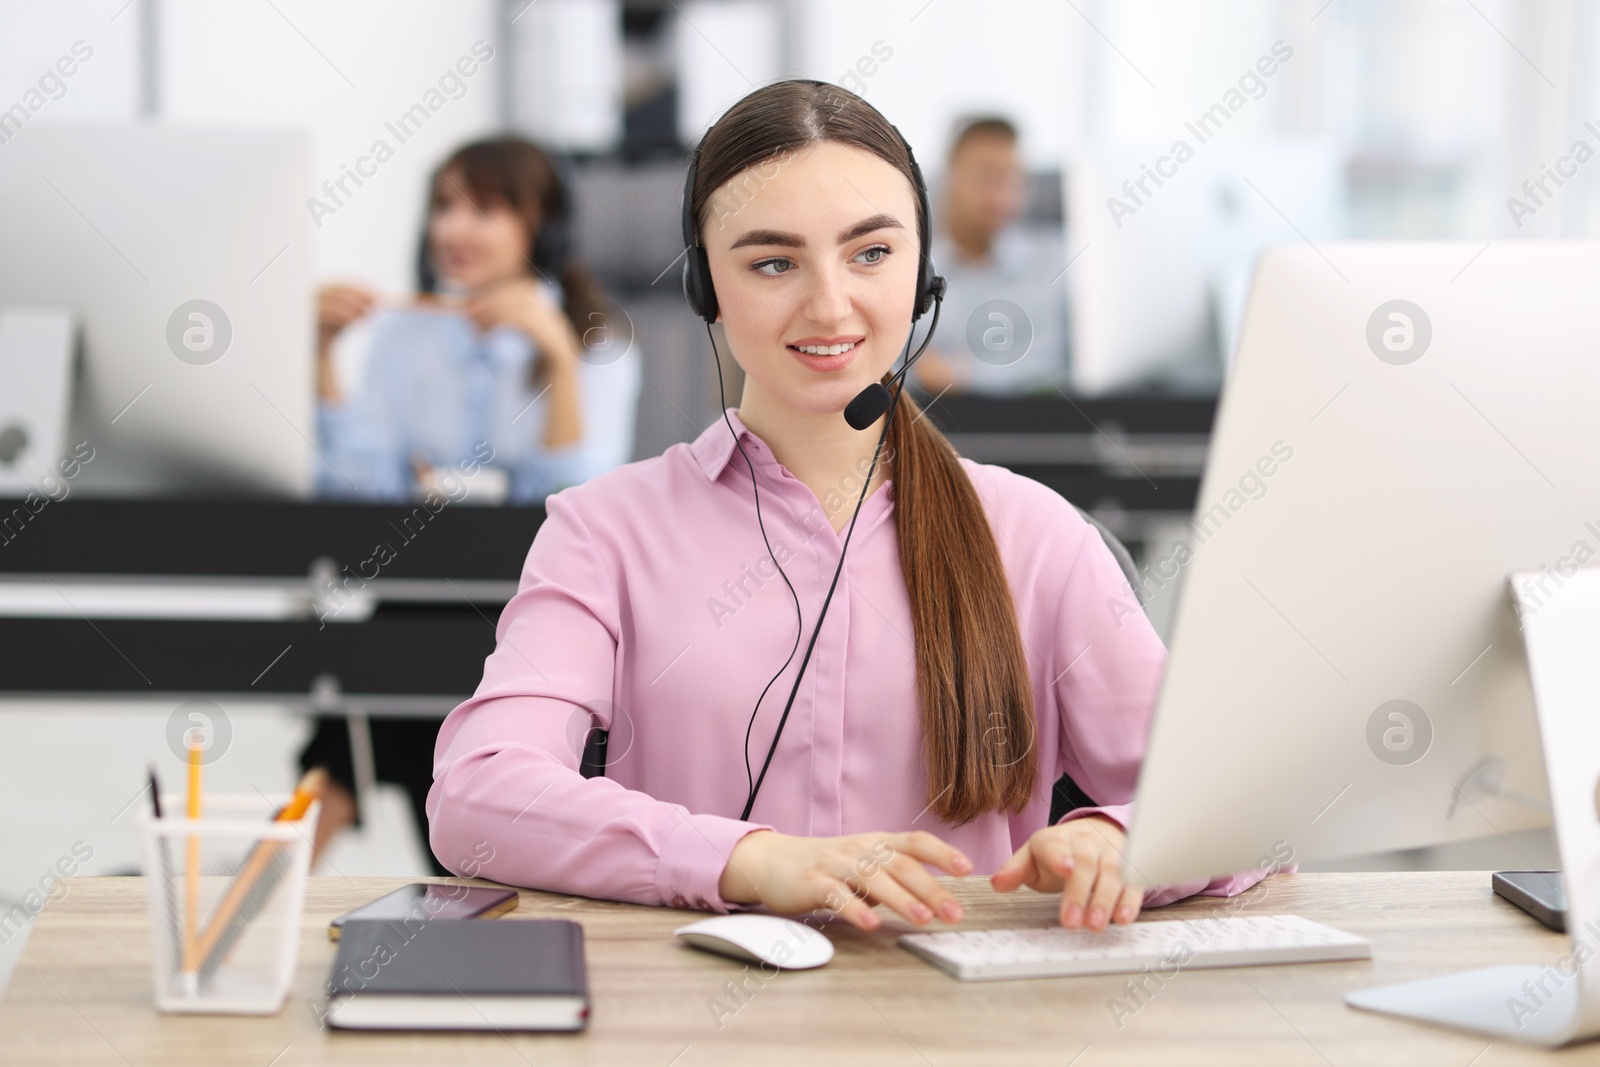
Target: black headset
865	409
702	295
552	244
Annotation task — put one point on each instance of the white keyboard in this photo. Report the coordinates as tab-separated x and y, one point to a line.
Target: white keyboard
1166	946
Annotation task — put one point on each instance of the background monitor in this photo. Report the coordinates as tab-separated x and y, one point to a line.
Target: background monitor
1405	425
1160	273
35	371
185	254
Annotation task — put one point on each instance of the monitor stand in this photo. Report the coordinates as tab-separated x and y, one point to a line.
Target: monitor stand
1558	1001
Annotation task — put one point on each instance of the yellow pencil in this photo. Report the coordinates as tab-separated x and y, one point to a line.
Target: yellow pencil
191	904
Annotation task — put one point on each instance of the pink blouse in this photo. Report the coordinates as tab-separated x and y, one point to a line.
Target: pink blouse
648	605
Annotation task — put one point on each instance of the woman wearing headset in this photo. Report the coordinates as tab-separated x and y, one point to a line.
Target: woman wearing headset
968	657
509	358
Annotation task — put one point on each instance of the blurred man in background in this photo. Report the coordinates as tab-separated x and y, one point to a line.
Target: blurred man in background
1003	330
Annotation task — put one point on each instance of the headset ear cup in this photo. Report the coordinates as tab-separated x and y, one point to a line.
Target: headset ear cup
697	287
550	246
928	293
936	287
552	242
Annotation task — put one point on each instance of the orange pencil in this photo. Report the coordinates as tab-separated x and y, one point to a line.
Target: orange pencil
309	788
226	921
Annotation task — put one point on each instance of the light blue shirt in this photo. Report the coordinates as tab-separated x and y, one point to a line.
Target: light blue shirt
1023	269
439	391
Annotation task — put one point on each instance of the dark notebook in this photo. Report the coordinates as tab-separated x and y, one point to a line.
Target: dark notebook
459	974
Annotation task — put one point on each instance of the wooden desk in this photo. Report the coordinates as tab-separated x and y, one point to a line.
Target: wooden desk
81	992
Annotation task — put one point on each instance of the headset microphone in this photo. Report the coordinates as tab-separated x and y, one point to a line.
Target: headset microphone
870	404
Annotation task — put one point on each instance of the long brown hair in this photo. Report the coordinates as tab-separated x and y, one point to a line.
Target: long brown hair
517	173
978	726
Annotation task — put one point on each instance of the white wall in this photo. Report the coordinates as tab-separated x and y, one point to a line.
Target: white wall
1155	64
33	36
339	71
1022	58
723	49
566	83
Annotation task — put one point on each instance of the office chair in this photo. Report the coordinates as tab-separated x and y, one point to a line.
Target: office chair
1066	795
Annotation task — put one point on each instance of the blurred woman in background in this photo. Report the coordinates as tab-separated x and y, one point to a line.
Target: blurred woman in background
510	365
511	356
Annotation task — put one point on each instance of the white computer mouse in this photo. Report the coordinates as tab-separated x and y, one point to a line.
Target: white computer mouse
767	939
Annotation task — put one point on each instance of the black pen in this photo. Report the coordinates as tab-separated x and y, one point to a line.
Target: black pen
165	873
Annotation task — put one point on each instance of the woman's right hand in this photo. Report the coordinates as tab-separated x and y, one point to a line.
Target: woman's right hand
846	875
337	307
340	305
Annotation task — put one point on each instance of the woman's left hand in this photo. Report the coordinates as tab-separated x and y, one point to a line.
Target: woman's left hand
1082	860
521	303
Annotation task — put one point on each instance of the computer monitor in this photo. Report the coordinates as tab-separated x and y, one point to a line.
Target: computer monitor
185	254
1406	425
1162	264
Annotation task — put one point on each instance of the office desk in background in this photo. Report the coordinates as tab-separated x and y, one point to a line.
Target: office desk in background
436	592
406	631
81	993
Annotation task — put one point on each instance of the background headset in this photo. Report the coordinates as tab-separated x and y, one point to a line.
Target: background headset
552	244
862	411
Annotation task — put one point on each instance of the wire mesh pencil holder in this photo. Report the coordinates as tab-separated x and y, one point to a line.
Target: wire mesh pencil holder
226	892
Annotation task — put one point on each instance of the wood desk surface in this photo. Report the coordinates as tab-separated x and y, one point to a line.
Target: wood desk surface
81	993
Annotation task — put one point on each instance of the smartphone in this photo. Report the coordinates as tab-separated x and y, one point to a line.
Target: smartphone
1538	893
432	900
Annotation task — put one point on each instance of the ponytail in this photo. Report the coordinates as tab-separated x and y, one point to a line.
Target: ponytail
587	308
586	305
972	674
